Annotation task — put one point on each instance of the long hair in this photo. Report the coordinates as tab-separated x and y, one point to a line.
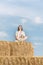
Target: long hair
19	27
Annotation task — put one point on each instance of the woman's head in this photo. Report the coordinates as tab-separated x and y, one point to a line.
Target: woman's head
20	28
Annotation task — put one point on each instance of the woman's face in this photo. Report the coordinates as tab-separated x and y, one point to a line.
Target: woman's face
20	28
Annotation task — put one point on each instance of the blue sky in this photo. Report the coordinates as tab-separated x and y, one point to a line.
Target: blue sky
29	13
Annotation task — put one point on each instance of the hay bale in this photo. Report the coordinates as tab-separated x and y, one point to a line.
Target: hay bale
16	49
4	48
8	60
21	49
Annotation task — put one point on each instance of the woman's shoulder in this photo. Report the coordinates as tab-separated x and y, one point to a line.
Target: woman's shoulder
16	32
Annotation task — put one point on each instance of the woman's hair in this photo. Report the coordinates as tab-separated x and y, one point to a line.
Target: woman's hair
19	27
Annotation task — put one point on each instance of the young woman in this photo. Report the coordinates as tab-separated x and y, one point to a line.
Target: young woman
20	34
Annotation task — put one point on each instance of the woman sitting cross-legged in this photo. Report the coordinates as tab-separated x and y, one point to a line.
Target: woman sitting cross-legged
20	34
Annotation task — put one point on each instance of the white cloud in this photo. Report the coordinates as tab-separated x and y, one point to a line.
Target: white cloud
14	25
5	10
14	10
23	0
36	44
24	21
37	20
29	0
3	34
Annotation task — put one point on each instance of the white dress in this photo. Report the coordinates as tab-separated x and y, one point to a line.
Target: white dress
19	34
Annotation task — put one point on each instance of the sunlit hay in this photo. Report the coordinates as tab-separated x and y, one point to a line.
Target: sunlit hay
18	53
21	49
8	60
4	48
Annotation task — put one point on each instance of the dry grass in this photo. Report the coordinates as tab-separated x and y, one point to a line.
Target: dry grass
16	49
21	60
18	53
4	48
21	49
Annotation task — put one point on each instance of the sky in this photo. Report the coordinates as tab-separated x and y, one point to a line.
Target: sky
28	13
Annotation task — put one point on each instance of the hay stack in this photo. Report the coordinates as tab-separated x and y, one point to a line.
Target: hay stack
4	48
21	60
18	53
21	49
16	49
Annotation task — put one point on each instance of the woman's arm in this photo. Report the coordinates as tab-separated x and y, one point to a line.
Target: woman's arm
24	36
17	36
